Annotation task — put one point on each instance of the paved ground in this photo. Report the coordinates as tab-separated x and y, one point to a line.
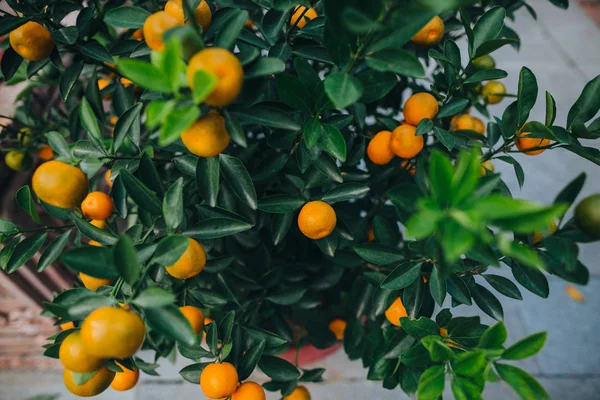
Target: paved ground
562	49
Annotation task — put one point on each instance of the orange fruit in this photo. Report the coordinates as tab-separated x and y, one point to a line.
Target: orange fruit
202	14
73	356
484	62
449	342
338	326
370	234
138	35
575	293
379	149
420	106
67	325
94	243
45	152
524	144
125	82
486	167
538	236
98	223
97	205
91	282
219	380
227	69
432	33
59	184
103	84
110	332
587	215
113	120
207	320
207	137
125	380
249	391
311	13
491	89
191	262
93	387
195	317
16	160
32	41
155	27
478	125
408	166
249	24
107	178
405	143
300	393
462	122
317	219
395	312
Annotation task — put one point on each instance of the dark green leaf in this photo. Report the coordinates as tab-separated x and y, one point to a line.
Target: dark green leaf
92	260
126	260
126	17
343	89
24	251
379	254
278	369
170	322
53	251
525	348
25	201
522	383
236	175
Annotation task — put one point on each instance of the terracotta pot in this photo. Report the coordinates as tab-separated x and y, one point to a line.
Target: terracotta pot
309	354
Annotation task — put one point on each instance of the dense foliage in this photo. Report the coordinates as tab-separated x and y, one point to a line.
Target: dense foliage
318	85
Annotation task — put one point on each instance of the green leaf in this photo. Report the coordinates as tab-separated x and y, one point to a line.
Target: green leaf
423	223
503	285
94	233
465	389
280	225
453	107
419	328
378	254
402	276
144	74
142	196
437	285
398	345
343	89
236	175
53	251
587	104
177	122
281	203
204	83
486	75
493	45
400	62
192	372
286	296
229	32
92	260
271	339
154	297
69	78
250	359
96	51
173	210
520	174
531	279
25	201
487	302
127	260
265	66
88	119
458	289
24	251
441	174
571	191
8	250
431	383
525	348
313	130
494	336
376	85
333	142
267	116
438	351
278	369
128	124
214	228
528	90
170	322
488	27
550	109
469	363
521	382
126	17
170	248
345	192
207	179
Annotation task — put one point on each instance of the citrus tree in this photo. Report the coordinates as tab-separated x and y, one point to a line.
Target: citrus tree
235	178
